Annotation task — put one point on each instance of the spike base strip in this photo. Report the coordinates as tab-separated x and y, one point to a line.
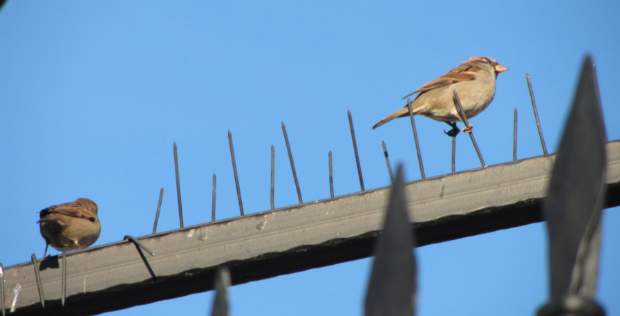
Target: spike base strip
295	238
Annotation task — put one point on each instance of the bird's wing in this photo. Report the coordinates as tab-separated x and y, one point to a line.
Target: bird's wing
464	72
73	209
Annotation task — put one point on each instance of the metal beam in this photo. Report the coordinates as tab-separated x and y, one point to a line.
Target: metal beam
287	240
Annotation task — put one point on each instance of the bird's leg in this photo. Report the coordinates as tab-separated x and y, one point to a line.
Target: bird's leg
46	246
454	131
468	128
64	275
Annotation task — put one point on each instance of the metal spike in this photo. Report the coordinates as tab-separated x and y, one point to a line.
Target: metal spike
453	154
273	175
514	138
540	133
64	277
331	175
290	156
2	290
38	276
357	157
139	246
213	199
387	161
139	243
392	287
161	196
220	302
234	162
573	205
459	108
176	171
415	137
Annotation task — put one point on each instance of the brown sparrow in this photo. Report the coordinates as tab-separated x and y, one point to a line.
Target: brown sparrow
473	80
70	226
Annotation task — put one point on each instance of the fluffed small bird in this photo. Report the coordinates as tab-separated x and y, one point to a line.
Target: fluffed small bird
70	226
473	80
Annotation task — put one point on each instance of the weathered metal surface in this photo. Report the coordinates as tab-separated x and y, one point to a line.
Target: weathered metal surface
292	239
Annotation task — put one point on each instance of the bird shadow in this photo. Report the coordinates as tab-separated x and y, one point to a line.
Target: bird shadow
50	262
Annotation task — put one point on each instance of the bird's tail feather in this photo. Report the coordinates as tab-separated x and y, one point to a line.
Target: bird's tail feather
400	113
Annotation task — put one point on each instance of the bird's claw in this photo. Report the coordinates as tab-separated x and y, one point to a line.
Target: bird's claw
452	132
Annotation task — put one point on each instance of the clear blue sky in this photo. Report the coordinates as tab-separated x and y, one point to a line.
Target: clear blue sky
93	94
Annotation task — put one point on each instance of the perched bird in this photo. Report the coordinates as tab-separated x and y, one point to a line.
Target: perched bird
473	80
70	226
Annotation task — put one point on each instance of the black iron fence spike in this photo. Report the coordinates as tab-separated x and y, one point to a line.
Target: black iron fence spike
234	163
387	162
540	133
415	137
220	301
139	246
290	157
598	95
392	285
514	137
357	157
273	176
459	108
213	198
176	172
331	174
161	196
573	206
38	277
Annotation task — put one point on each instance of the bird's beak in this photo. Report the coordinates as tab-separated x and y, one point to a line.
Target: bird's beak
499	68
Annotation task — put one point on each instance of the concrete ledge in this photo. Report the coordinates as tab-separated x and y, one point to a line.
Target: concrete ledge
288	240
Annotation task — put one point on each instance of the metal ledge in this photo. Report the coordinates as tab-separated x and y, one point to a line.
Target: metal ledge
288	240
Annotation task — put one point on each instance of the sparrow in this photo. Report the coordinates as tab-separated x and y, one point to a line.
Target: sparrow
70	226
473	80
